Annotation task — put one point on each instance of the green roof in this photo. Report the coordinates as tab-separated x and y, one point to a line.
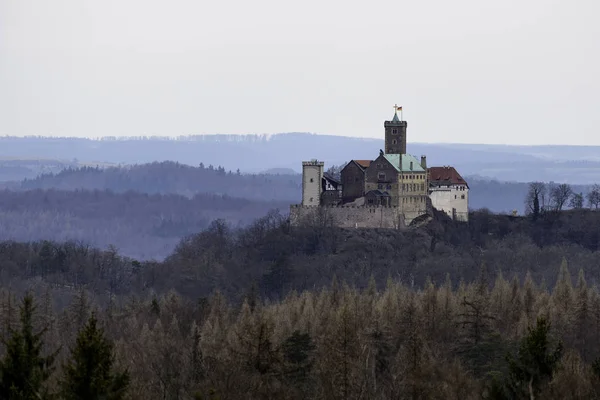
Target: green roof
406	159
395	119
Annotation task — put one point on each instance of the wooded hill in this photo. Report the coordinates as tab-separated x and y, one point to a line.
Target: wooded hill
272	259
257	153
492	338
143	226
174	178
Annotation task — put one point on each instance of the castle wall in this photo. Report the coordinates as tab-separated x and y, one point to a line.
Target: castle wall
331	197
353	216
453	201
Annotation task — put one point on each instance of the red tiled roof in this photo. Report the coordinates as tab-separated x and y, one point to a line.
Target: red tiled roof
363	163
445	174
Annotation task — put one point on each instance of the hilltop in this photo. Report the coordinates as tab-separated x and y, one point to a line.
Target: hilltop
276	259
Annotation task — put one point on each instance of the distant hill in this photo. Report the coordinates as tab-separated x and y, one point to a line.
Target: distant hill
280	171
174	178
140	225
16	169
258	153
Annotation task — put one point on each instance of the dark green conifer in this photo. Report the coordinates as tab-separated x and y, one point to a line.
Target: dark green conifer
89	373
23	370
535	362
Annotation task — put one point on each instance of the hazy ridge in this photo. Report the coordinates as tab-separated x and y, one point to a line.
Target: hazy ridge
257	153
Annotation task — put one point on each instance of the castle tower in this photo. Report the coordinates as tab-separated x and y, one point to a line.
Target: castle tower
312	174
395	135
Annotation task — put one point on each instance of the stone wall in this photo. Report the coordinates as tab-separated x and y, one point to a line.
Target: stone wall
312	174
395	137
452	200
352	216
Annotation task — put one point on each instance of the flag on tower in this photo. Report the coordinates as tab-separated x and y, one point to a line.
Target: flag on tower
399	108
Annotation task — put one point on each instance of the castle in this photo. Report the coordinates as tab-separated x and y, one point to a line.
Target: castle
392	191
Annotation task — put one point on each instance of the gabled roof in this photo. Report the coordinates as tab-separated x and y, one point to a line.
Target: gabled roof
363	163
402	162
444	176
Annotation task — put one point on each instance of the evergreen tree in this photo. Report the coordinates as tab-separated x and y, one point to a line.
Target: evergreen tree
535	362
90	374
23	370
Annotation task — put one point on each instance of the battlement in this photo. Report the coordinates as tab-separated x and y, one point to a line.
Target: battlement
395	123
313	163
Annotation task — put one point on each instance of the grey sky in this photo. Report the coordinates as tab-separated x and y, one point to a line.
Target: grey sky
470	71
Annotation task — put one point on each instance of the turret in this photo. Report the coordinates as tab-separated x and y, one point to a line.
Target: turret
312	174
395	135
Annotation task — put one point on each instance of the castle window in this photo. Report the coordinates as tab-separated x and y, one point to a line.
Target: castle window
311	199
381	176
394	141
462	196
422	186
394	131
311	181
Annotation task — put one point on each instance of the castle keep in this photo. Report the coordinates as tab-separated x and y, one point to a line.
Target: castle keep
391	191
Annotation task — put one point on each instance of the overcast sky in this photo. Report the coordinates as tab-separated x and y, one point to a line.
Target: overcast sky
465	71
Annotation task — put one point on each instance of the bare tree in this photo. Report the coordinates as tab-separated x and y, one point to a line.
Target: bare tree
559	195
593	197
336	170
576	201
536	198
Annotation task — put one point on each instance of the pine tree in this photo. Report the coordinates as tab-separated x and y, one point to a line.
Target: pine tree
23	370
535	362
90	373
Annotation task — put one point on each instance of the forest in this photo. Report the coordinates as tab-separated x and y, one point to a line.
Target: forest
493	338
172	178
191	295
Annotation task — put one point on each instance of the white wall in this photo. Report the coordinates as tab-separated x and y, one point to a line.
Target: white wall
311	183
448	198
